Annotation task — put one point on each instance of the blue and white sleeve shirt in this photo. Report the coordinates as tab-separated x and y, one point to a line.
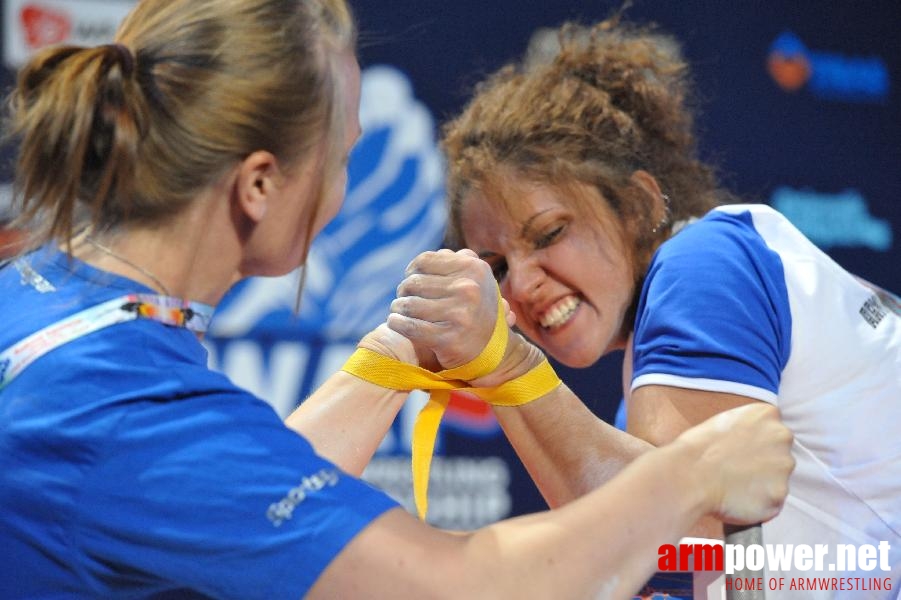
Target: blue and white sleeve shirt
741	302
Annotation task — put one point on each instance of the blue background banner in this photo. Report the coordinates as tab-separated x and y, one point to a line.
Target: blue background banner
799	109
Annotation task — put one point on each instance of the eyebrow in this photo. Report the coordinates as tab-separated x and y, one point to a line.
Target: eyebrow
528	224
523	232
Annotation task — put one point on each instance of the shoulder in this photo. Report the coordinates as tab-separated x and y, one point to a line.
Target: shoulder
728	249
714	305
720	233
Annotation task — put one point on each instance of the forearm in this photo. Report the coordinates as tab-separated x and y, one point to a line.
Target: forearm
346	419
566	449
735	466
603	545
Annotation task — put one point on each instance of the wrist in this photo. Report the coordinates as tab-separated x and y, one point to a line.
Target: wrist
390	344
519	358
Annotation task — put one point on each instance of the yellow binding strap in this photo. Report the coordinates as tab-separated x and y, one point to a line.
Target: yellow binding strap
396	375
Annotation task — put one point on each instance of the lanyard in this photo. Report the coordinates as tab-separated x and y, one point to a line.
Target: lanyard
174	312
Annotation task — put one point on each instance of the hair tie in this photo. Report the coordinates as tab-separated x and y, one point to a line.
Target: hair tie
126	58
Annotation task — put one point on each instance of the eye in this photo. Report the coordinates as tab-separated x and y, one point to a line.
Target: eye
499	270
546	239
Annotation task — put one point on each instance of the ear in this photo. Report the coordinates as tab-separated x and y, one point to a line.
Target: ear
647	182
659	208
258	180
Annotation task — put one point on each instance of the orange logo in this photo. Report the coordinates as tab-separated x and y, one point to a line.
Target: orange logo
789	72
44	27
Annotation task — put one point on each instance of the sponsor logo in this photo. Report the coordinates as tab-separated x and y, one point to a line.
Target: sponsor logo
873	311
470	415
847	561
827	75
465	492
43	26
29	25
281	511
833	220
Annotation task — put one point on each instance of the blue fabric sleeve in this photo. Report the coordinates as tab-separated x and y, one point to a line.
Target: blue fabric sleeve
216	495
713	312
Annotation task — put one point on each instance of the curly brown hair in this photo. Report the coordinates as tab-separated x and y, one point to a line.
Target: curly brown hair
609	100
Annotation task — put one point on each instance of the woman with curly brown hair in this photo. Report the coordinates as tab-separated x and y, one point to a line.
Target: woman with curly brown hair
575	176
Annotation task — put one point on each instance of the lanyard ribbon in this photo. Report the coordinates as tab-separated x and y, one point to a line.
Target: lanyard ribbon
175	312
396	375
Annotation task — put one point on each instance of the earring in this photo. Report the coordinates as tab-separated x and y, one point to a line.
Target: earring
665	220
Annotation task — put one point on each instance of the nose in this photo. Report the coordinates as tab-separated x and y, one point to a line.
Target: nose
524	276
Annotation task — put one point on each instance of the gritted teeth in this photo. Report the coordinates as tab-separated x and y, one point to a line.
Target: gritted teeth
560	312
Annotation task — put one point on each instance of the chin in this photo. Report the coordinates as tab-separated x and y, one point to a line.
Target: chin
277	268
575	360
577	354
581	363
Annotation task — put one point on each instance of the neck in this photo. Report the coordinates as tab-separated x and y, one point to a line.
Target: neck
194	256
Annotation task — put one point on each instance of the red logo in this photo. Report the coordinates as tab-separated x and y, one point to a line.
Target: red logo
44	27
469	414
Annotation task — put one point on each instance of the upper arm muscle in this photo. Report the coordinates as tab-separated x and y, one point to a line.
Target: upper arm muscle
659	413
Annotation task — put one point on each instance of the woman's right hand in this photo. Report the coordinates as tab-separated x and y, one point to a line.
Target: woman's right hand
742	461
387	342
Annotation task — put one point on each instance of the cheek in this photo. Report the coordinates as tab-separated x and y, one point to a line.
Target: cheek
331	203
522	322
336	193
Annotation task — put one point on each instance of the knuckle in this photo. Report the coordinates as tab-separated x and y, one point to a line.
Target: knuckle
460	314
780	491
790	464
468	290
421	262
412	285
401	306
414	281
404	288
406	326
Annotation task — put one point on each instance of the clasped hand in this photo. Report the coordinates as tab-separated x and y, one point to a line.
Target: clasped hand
444	313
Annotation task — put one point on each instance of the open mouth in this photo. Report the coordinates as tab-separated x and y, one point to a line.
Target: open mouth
560	313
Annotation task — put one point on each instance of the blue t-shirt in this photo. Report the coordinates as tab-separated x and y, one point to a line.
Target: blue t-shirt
129	469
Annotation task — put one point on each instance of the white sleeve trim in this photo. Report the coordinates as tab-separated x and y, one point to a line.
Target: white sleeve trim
706	385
